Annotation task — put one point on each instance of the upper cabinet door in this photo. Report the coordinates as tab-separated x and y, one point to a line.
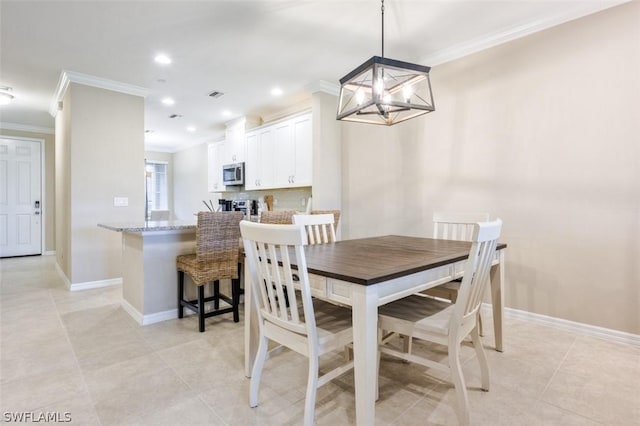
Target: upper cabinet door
234	143
267	153
259	162
285	154
253	163
302	141
293	162
214	170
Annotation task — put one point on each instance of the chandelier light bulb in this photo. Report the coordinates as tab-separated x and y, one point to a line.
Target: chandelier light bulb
407	91
379	86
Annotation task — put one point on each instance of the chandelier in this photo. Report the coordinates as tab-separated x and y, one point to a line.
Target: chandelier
385	91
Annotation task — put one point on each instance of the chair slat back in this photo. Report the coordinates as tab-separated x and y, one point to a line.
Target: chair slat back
456	226
269	248
336	216
320	227
476	274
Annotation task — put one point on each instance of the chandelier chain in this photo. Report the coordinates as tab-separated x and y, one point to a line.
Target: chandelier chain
382	13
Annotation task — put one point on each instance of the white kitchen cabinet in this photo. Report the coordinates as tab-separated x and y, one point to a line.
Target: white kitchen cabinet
302	141
214	169
233	148
285	153
259	166
279	155
293	148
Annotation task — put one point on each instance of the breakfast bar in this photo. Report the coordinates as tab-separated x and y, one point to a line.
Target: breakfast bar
149	251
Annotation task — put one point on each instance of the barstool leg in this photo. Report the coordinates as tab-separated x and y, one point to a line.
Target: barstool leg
201	308
235	298
216	295
180	293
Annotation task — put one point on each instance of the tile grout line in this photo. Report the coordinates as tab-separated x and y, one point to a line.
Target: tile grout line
540	400
555	372
197	393
75	356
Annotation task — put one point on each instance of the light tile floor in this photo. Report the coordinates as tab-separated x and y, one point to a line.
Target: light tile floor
81	353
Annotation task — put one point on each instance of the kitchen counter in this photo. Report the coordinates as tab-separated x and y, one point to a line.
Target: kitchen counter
151	226
149	277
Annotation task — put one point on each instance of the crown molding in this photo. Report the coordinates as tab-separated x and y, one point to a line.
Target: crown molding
27	128
158	148
516	32
324	86
295	109
68	77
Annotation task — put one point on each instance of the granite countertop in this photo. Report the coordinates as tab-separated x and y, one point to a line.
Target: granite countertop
151	226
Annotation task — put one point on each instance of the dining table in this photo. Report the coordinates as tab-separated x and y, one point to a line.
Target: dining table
368	272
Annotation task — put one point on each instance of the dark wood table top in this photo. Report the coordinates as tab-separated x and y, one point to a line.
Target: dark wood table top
373	260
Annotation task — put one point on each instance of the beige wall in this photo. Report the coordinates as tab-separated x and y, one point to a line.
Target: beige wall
103	157
190	182
327	153
63	186
543	132
48	191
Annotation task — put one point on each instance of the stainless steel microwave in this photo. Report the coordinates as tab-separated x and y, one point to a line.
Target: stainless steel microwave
233	174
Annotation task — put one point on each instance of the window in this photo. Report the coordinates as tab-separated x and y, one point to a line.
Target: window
156	186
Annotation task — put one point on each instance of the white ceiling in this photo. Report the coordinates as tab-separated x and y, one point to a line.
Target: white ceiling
241	48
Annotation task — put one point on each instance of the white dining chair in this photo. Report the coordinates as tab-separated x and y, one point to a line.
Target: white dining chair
320	227
459	227
287	316
447	323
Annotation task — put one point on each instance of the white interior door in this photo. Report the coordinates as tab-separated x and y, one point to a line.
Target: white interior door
20	198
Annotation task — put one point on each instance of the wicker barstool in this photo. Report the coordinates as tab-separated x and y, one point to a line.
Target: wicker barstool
216	258
277	217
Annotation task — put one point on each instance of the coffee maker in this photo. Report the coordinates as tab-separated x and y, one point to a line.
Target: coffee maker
225	205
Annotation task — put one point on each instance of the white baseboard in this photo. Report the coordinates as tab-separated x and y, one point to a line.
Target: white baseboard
137	316
150	318
63	276
160	316
572	326
88	285
49	253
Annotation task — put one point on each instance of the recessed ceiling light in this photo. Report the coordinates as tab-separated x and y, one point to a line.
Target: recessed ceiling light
162	59
276	91
168	101
191	129
226	113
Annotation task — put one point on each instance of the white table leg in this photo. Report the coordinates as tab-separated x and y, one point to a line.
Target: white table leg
497	300
365	349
